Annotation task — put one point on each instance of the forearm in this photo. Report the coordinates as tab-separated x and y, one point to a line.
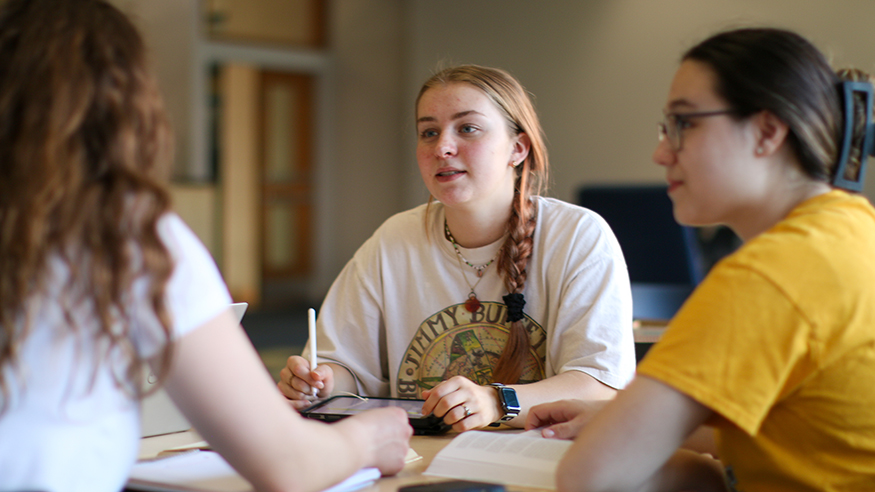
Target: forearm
289	454
221	386
568	385
631	445
684	471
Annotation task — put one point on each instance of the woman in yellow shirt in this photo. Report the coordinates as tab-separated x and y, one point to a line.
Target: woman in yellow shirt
775	350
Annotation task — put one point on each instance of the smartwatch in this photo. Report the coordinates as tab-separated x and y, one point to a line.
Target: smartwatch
510	405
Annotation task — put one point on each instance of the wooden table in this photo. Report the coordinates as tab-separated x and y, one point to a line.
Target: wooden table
425	446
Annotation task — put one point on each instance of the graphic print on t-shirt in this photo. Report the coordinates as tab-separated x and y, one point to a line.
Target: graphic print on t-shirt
456	342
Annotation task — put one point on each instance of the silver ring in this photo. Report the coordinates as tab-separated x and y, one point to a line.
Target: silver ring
467	411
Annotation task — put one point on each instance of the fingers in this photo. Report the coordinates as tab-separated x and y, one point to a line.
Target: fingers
387	437
461	403
430	401
397	435
297	382
442	398
565	430
557	412
300	404
560	419
446	395
541	415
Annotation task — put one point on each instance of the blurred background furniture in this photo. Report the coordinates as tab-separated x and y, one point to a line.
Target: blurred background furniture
665	259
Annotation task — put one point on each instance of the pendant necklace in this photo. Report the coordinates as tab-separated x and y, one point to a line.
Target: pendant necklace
472	304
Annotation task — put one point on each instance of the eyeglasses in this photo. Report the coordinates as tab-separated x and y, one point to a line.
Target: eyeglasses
673	125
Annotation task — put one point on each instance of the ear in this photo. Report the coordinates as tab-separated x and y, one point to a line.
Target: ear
771	133
522	144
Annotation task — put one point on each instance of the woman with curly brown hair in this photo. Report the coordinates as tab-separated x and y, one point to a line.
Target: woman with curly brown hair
489	298
99	277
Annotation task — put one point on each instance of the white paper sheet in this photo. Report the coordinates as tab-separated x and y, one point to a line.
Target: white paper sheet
209	472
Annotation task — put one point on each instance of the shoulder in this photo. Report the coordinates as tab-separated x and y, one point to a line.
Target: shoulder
177	235
823	247
559	220
185	247
826	228
552	211
195	291
402	230
407	220
171	224
191	258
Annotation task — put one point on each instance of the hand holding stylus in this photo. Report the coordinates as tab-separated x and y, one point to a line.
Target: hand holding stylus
298	383
301	379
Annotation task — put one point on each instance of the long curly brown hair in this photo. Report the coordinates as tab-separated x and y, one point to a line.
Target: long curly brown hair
531	179
85	148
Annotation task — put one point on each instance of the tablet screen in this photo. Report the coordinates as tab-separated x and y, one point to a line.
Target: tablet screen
350	405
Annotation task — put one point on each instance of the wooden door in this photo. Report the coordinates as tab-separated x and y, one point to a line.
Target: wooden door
287	177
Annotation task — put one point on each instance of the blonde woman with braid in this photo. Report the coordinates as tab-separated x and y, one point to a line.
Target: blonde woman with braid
489	299
98	277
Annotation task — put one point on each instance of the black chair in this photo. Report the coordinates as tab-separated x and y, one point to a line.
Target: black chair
664	258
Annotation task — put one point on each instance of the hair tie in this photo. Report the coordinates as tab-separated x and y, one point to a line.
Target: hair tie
854	183
514	303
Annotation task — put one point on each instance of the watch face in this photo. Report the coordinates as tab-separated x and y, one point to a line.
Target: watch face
509	400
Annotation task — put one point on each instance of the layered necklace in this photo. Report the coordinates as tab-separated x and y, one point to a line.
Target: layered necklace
472	304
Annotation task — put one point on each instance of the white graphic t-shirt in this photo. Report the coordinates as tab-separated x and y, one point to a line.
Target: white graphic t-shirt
456	342
396	315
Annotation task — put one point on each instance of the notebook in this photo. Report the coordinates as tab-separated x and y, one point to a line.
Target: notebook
158	413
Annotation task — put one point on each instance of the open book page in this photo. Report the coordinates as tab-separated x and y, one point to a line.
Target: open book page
517	458
206	471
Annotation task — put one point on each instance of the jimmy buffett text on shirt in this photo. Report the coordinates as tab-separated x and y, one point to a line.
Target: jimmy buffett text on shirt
457	342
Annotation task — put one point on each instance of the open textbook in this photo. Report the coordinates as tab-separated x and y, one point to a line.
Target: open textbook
517	458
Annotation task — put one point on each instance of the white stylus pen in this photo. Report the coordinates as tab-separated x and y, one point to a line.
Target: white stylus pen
311	324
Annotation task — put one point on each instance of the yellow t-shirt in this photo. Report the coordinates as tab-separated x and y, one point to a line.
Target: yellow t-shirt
779	340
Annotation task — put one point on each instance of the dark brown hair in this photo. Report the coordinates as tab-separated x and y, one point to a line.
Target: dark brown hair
84	153
781	72
531	177
858	134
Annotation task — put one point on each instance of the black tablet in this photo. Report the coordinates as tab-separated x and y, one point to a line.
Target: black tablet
341	406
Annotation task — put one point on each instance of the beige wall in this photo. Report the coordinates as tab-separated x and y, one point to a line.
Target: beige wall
170	28
367	46
599	70
198	206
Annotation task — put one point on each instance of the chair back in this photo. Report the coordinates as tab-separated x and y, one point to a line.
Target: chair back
663	257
